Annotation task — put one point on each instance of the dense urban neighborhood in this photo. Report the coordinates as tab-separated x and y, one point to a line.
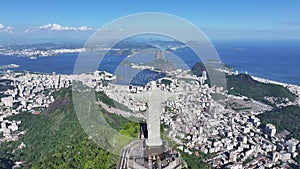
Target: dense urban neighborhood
227	129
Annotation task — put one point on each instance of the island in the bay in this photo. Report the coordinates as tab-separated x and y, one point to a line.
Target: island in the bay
252	123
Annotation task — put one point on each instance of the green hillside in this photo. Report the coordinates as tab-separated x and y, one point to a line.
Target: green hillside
161	64
55	139
245	85
284	118
198	68
5	85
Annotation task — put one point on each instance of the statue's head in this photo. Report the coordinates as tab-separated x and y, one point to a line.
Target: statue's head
153	85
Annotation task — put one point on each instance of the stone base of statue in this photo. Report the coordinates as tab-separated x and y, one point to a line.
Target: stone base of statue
151	151
138	155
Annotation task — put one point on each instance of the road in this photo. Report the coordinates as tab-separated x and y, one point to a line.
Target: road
126	152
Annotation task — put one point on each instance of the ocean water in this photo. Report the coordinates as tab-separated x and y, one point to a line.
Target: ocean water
62	64
276	60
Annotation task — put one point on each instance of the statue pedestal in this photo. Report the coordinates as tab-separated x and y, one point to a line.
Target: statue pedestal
151	151
154	142
143	156
156	151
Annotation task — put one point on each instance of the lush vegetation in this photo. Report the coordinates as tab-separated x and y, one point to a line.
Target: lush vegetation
195	162
131	129
83	155
105	99
6	87
284	118
198	68
5	81
161	64
123	125
5	84
166	82
110	102
3	95
245	85
5	159
55	138
298	157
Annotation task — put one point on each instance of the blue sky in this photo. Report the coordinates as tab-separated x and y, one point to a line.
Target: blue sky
217	18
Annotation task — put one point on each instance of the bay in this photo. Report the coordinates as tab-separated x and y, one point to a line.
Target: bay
277	60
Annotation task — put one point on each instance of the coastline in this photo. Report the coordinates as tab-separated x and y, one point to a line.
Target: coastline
294	88
264	80
291	87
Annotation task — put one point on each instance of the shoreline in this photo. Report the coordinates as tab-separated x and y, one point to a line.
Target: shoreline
264	80
295	89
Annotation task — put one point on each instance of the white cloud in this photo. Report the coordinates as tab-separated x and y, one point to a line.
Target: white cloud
57	27
85	28
6	29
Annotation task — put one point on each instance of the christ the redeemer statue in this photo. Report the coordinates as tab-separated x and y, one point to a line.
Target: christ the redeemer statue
154	99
